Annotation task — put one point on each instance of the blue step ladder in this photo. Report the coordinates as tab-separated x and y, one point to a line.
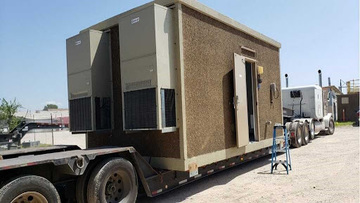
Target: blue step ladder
274	150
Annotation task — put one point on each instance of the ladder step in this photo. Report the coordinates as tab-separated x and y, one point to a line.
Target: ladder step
281	150
279	162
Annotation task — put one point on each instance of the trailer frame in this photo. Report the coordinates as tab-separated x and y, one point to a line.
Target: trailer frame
69	162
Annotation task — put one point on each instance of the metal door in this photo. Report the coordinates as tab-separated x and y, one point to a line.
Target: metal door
240	101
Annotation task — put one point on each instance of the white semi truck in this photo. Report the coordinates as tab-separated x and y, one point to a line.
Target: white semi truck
304	116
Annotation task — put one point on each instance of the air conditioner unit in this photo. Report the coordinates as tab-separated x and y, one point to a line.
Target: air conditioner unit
89	83
148	69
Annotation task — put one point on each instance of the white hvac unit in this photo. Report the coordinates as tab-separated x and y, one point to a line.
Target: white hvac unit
147	69
311	105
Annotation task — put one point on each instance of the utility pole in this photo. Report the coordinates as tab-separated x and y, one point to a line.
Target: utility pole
34	129
52	130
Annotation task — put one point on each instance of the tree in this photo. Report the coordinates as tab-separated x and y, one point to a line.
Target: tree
7	112
50	106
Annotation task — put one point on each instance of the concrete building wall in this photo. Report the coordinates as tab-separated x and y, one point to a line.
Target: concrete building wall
209	46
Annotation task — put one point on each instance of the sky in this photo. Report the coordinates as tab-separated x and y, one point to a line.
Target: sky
321	34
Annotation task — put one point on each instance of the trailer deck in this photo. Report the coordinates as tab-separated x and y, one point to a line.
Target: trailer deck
74	161
56	158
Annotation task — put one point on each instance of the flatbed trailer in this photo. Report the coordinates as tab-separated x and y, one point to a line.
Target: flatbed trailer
68	169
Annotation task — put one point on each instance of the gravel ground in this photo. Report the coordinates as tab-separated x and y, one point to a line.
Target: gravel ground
326	170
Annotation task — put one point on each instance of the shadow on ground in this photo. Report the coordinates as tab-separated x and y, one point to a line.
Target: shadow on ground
205	183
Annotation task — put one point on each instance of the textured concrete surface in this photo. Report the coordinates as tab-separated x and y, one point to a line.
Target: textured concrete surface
326	170
209	48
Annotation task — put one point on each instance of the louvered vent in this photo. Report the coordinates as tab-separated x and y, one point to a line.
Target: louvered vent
168	107
140	109
80	114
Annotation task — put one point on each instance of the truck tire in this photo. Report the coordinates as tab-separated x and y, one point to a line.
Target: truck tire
113	180
82	183
331	128
295	128
312	130
305	134
29	188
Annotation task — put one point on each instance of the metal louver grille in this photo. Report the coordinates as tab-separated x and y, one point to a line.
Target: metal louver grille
80	114
168	107
140	109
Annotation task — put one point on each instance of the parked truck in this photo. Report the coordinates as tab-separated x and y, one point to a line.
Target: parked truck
167	93
304	113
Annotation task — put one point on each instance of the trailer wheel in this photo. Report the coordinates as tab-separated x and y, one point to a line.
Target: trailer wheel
305	134
312	130
297	140
113	180
82	183
331	128
29	188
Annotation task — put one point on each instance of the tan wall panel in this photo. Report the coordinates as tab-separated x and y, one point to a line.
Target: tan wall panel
208	62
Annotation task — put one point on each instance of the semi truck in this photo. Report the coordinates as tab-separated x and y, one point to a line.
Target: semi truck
304	113
167	93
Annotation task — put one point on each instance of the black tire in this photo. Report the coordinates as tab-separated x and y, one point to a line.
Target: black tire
30	187
312	130
113	179
331	128
305	134
296	141
82	183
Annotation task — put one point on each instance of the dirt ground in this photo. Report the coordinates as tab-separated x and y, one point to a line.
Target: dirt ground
325	170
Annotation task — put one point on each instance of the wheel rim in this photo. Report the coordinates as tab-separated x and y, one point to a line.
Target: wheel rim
331	127
298	134
306	135
30	197
312	130
116	187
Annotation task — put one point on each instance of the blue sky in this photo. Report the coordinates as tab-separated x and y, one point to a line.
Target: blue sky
314	34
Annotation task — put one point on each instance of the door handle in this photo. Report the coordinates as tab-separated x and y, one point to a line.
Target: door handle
235	101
